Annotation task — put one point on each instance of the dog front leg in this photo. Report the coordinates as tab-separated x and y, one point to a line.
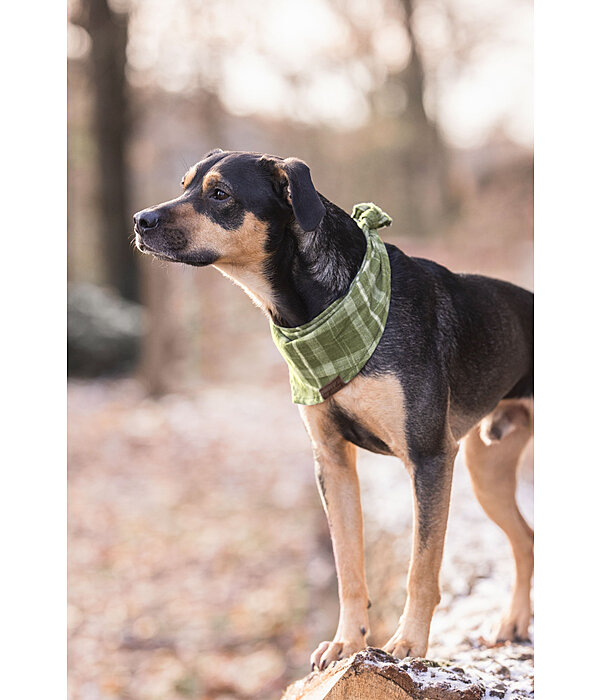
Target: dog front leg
340	493
432	479
337	480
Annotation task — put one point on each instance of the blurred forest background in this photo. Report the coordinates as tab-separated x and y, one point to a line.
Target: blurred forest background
196	535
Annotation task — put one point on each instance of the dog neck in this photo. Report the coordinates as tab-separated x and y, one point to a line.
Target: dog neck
308	271
303	272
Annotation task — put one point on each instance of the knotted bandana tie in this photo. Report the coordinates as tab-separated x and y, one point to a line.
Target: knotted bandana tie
324	354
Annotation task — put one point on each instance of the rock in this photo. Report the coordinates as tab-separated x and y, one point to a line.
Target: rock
104	331
374	675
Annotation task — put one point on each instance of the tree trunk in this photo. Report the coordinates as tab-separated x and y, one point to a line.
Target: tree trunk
162	363
108	32
424	160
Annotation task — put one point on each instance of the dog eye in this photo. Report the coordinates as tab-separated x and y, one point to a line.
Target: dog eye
219	194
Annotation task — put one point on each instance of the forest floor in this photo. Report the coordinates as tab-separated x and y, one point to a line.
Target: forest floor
199	557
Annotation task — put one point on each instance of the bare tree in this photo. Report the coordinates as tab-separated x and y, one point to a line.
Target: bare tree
108	32
424	160
418	157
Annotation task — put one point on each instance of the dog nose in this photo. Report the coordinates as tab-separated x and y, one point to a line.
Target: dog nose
146	219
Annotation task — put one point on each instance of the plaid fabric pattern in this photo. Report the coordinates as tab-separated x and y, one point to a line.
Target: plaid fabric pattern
326	353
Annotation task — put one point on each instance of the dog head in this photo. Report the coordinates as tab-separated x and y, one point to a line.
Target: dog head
232	206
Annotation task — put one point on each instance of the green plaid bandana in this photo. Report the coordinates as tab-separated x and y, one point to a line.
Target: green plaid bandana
324	354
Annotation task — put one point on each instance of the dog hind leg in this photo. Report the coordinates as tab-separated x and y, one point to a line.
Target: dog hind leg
492	452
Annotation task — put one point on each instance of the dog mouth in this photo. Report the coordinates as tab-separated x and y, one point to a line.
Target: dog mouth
144	247
196	258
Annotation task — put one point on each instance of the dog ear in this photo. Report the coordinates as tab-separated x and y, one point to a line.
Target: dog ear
212	153
292	176
306	203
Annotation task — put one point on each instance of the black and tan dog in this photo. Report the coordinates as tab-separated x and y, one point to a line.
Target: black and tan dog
455	362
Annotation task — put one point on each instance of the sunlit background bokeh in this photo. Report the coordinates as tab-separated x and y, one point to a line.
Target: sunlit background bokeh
325	63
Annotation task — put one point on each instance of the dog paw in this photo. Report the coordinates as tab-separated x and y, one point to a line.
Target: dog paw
329	652
514	626
401	646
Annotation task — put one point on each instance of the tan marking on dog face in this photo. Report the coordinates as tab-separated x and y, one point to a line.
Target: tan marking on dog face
189	176
241	252
213	178
244	246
